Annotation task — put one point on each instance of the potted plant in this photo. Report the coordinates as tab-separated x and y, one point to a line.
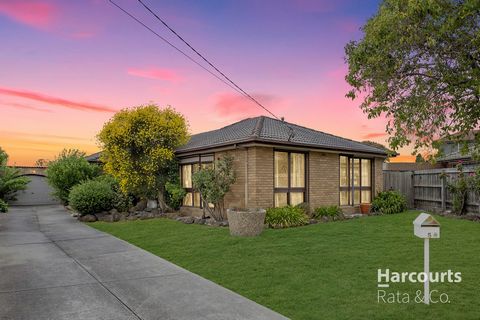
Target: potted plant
365	208
246	222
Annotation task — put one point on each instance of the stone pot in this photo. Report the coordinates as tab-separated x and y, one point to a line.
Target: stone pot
365	208
246	222
152	204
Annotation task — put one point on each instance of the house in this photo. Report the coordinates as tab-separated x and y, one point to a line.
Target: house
453	151
279	163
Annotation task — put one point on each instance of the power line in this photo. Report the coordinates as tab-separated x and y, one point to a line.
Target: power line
173	46
206	60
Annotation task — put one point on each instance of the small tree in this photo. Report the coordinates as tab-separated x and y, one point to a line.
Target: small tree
139	146
213	185
67	170
11	180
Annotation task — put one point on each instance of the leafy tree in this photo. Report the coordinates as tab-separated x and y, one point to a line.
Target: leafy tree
418	64
11	180
213	185
138	148
42	163
419	158
67	170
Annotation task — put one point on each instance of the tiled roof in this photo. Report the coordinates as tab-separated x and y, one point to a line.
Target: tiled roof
269	130
95	157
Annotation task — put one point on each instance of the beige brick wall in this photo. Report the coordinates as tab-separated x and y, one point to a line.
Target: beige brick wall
235	198
260	177
324	179
378	174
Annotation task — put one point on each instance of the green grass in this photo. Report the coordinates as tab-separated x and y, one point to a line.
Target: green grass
323	271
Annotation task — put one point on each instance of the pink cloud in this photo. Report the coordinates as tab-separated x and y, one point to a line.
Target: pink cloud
155	73
54	100
374	135
38	14
231	104
25	107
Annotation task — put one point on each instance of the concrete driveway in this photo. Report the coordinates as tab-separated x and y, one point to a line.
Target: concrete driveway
53	267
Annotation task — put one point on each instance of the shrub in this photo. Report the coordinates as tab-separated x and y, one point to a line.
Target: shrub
67	170
305	207
214	184
389	202
3	206
122	201
285	217
92	196
327	211
10	179
174	195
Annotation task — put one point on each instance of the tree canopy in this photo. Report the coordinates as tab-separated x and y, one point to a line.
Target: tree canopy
139	146
418	64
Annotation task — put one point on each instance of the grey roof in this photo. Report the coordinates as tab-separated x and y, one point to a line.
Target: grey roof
268	130
457	155
94	157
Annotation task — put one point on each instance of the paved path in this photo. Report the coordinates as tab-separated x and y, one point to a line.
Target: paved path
53	267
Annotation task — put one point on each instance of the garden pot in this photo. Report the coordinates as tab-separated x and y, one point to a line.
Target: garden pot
152	204
246	222
365	208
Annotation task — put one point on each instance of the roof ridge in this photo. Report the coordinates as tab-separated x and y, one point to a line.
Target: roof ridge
323	132
258	126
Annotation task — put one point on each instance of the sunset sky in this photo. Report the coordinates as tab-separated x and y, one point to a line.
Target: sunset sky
66	66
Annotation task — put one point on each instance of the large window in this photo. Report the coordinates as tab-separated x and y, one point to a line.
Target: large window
192	198
289	178
355	180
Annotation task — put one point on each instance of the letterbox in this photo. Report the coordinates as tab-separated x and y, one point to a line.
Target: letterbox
425	226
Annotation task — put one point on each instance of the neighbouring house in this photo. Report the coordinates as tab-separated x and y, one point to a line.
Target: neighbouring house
451	151
279	163
94	158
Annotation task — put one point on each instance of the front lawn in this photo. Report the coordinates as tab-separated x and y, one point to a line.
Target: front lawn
323	271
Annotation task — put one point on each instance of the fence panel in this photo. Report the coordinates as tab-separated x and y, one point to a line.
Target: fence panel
427	189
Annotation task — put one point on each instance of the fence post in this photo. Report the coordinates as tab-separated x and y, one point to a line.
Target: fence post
444	202
412	188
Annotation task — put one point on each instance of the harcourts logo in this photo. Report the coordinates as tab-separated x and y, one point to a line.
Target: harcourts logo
386	277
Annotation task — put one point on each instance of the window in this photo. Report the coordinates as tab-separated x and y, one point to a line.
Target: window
355	180
289	178
192	198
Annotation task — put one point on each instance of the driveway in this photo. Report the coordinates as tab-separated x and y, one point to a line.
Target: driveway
54	267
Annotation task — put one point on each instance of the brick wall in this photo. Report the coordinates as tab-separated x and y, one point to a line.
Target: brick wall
324	174
378	174
260	177
235	198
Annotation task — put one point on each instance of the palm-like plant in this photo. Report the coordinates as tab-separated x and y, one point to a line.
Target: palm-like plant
10	179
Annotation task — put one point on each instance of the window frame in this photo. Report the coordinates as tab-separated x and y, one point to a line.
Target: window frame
290	189
351	188
192	190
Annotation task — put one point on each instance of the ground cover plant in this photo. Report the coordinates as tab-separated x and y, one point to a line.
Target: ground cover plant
322	271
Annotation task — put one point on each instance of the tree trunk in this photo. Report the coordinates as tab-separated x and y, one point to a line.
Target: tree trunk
162	205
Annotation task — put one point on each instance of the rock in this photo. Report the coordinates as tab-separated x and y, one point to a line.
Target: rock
75	214
141	205
186	220
88	218
172	215
312	221
155	211
113	211
69	208
147	209
132	217
223	223
105	217
325	219
131	209
199	221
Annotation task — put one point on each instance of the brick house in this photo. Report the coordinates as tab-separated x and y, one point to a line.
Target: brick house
279	163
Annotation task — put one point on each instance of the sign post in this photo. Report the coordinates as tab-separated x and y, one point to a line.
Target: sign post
425	226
